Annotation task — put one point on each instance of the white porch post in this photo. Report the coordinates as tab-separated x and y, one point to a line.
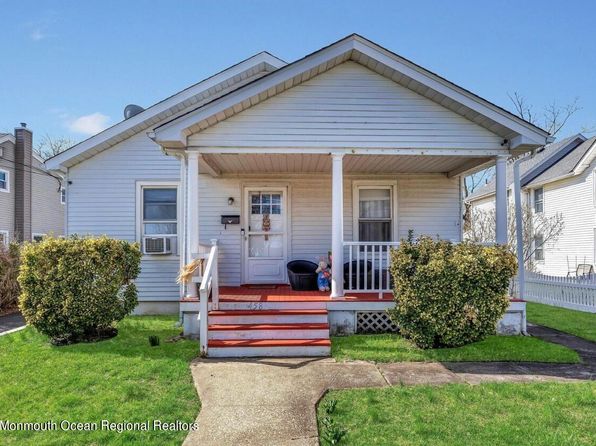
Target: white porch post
192	212
501	200
337	225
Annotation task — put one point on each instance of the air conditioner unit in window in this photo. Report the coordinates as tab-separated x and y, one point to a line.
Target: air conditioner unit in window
157	245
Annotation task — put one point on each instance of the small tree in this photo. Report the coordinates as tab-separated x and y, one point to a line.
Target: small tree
483	225
75	289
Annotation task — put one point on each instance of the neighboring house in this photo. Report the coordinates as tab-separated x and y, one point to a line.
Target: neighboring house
344	150
31	200
558	178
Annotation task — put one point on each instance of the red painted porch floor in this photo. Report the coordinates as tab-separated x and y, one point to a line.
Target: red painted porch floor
284	293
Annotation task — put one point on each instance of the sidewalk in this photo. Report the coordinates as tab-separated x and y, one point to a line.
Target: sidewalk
272	401
11	322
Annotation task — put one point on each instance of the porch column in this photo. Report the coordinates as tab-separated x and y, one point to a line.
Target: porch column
192	212
337	225
501	200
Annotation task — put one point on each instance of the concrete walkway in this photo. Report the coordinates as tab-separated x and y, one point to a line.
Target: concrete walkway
272	401
11	322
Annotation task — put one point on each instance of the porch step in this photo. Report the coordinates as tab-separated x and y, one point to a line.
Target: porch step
270	348
269	331
268	317
231	304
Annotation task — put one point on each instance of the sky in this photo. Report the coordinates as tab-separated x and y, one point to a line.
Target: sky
68	68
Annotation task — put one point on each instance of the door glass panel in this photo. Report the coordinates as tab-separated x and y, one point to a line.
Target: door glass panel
265	245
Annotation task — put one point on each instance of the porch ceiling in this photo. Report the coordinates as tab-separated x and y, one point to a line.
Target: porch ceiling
321	163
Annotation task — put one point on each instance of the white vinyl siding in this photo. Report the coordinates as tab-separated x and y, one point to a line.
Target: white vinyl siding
47	215
101	200
348	106
571	197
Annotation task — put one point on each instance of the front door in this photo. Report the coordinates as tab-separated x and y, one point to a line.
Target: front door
265	234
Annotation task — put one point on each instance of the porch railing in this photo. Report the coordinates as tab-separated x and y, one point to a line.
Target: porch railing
209	287
366	267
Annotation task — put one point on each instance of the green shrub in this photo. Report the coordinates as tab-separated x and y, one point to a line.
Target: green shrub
448	295
9	270
75	288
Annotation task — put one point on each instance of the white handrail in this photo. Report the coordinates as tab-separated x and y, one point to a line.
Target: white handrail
209	286
368	266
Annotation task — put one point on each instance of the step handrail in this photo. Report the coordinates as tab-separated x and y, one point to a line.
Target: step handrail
209	286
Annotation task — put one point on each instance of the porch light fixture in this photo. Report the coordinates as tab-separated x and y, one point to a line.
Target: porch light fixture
230	201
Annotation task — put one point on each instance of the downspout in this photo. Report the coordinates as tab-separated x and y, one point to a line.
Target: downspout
521	267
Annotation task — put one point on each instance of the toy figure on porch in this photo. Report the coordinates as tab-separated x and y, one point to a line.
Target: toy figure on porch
323	276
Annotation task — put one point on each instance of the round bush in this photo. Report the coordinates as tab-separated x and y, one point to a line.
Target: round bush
448	295
75	289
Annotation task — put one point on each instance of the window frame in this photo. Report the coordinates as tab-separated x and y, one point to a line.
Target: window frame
7	181
6	235
541	201
140	186
62	195
374	184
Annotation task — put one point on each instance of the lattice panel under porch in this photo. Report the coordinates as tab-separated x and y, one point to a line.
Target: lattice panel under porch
374	322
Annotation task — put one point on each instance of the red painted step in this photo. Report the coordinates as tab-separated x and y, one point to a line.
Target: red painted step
219	343
298	326
264	312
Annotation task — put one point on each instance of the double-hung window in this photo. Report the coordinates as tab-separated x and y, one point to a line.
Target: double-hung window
375	214
538	247
4	181
159	211
539	200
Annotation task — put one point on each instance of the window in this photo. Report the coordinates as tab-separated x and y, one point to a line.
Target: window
265	203
4	238
159	211
538	247
63	195
4	181
375	214
38	237
539	200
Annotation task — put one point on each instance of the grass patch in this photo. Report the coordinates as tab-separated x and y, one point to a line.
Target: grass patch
578	323
394	348
546	414
120	379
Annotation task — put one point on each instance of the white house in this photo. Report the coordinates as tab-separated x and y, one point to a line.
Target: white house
342	151
559	178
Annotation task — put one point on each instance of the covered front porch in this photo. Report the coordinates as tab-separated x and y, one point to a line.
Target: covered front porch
347	209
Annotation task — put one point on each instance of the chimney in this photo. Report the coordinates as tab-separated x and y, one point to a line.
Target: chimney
23	186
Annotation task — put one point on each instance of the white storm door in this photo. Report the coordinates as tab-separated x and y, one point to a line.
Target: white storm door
265	237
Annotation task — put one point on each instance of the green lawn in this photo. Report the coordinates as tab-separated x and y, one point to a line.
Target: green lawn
393	348
546	414
577	323
121	379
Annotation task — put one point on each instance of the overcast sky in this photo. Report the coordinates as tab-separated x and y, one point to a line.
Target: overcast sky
68	68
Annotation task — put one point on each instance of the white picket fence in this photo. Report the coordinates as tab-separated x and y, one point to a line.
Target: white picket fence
576	293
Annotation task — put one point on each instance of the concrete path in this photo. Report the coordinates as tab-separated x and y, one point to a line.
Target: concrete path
10	322
271	401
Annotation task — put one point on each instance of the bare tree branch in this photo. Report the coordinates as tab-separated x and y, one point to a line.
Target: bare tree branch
48	147
554	117
483	224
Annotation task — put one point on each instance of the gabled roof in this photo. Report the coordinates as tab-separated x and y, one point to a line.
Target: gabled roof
212	87
6	137
264	75
575	163
534	165
520	134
